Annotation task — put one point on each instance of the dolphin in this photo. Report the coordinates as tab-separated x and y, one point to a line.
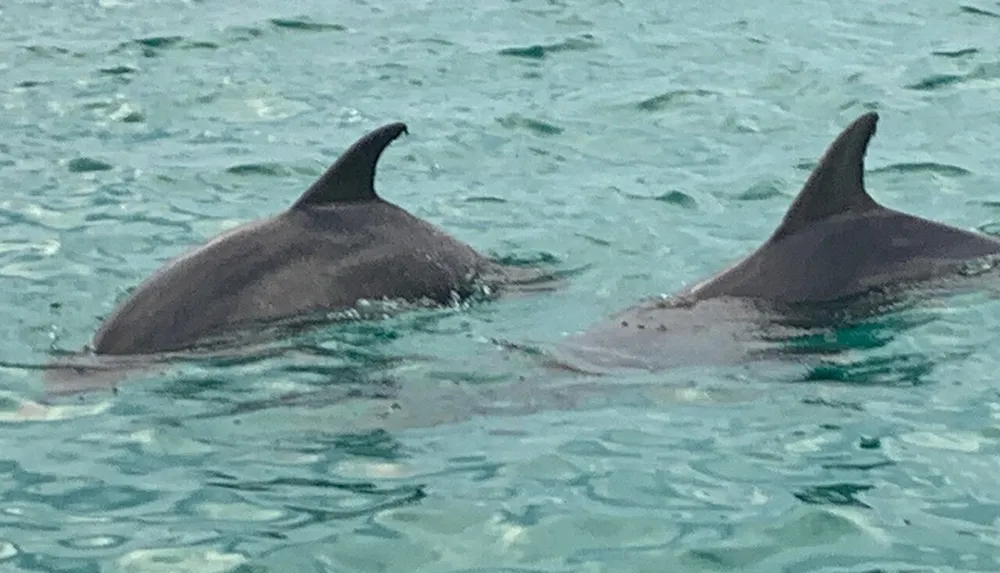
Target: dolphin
835	245
338	244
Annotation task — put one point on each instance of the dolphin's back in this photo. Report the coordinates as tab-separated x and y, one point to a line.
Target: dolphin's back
834	244
841	257
301	261
337	244
836	241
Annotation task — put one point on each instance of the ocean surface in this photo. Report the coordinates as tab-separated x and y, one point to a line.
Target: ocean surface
636	147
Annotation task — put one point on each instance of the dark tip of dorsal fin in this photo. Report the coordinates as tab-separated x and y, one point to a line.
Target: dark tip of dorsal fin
352	177
837	185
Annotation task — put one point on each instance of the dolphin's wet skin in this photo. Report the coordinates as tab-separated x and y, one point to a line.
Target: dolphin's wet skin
836	253
338	243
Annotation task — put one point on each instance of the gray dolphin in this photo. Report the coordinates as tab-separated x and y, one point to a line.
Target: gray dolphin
835	243
339	243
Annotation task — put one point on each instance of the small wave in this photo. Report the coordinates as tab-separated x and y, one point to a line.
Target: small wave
52	51
594	240
761	190
152	46
119	70
304	25
989	72
127	114
198	559
834	494
244	33
678	198
515	121
526	260
978	11
266	169
935	81
153	219
87	165
923	167
673	197
202	44
910	369
485	199
159	41
541	51
962	52
665	100
992	229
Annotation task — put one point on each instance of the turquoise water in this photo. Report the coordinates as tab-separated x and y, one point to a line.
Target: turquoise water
637	146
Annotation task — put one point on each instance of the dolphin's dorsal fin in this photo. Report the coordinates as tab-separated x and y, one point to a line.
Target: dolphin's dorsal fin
837	184
352	177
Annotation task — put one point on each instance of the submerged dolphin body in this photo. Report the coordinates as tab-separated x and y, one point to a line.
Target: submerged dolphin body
835	243
338	244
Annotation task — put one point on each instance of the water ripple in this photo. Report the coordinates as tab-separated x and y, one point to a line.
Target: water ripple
542	51
674	97
978	11
538	127
958	53
923	167
304	25
985	74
